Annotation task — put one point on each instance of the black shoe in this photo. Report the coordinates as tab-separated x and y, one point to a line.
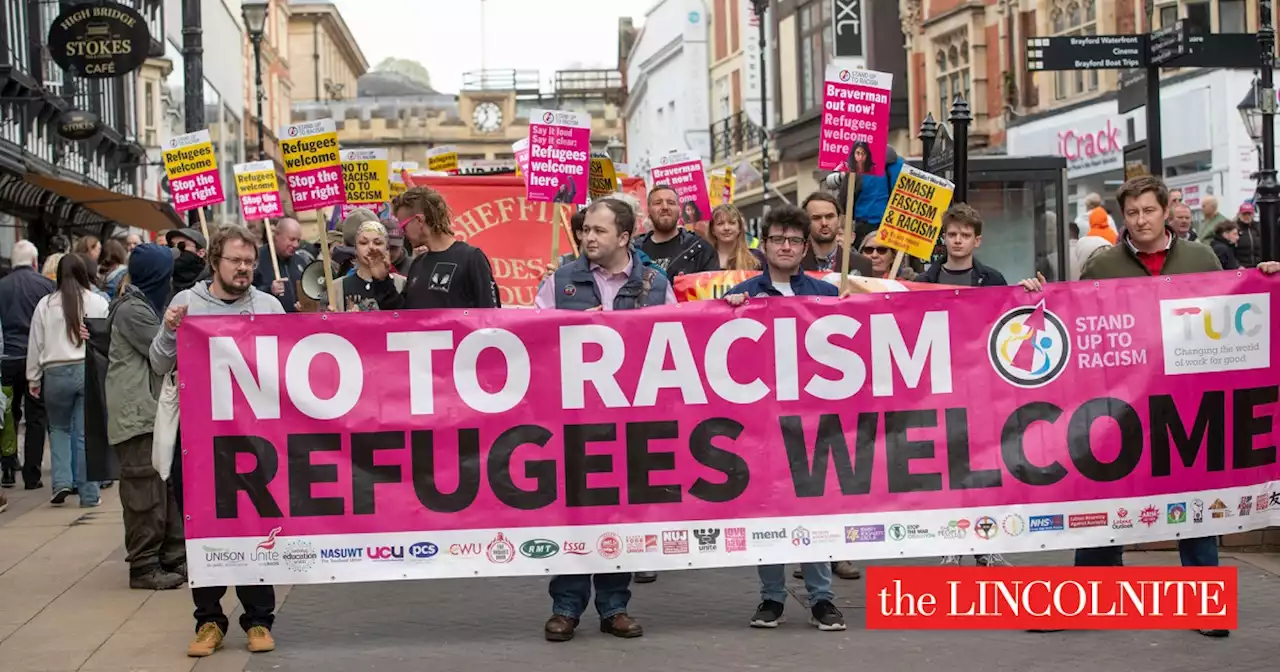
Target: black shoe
179	569
1216	634
825	616
644	577
60	497
7	477
768	615
106	485
155	579
38	485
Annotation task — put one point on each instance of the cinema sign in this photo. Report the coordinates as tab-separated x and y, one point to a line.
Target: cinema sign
99	40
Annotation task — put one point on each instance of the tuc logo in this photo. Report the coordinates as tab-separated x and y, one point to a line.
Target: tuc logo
1216	333
1074	145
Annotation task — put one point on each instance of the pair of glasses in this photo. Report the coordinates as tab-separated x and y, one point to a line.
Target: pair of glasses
241	263
876	250
794	241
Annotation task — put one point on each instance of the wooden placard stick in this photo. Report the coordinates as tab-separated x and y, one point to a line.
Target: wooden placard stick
271	244
204	226
847	244
334	306
567	222
555	232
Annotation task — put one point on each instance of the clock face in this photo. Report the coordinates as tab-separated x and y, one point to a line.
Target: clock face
487	117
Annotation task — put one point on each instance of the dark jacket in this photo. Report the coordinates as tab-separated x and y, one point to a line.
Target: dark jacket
1249	247
290	270
131	387
20	291
575	288
984	275
1226	254
1121	261
802	284
697	254
859	265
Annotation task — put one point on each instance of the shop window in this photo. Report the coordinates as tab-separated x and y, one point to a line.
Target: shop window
1074	17
1231	17
1198	15
1168	14
952	74
813	54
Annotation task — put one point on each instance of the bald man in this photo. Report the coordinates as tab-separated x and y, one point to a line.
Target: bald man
292	259
1212	217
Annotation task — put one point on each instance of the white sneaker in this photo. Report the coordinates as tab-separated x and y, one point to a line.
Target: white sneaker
992	560
951	560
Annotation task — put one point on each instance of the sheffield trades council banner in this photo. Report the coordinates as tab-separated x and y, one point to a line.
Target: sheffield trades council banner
398	445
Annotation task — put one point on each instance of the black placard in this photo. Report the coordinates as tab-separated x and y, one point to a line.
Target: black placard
99	40
941	160
1132	90
79	125
1220	50
847	27
1169	43
1086	52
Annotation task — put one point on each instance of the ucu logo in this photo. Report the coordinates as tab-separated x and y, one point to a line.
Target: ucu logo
385	552
1221	321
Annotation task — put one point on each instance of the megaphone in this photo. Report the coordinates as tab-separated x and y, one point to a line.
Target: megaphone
311	288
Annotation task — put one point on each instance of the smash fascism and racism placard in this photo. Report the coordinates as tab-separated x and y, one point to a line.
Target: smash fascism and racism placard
913	218
721	186
313	164
855	116
684	172
258	190
604	181
559	160
192	168
380	446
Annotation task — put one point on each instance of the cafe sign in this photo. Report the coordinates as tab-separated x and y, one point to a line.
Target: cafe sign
99	40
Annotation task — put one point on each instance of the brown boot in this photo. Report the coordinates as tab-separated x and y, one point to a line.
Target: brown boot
845	570
621	625
260	639
208	639
559	628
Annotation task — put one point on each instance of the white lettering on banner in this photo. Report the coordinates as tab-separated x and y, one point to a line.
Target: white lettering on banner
889	352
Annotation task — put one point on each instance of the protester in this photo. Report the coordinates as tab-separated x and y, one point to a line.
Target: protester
606	277
962	231
882	256
111	266
871	192
131	241
55	372
575	229
1150	248
233	256
20	292
786	235
291	259
372	285
188	265
1249	246
672	248
401	259
451	273
1212	217
826	246
91	267
50	269
1223	240
728	235
89	246
1092	202
1100	226
1084	250
1180	220
153	530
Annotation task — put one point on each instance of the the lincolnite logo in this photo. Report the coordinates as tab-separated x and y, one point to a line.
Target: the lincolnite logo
1074	145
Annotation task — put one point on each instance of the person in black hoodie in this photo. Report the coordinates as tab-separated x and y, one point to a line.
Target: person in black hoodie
669	246
1223	241
20	291
188	262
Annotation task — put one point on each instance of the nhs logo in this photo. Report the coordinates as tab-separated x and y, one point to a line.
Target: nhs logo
1046	523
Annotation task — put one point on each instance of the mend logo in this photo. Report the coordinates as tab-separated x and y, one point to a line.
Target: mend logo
1073	598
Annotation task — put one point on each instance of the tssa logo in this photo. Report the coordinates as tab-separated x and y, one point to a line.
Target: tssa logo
575	548
385	552
423	550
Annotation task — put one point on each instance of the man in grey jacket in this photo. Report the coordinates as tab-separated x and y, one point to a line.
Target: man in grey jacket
153	538
233	255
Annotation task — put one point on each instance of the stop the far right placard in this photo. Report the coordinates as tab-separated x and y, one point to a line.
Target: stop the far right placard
855	120
913	218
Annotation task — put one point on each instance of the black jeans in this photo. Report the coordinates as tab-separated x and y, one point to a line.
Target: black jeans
14	374
258	601
153	535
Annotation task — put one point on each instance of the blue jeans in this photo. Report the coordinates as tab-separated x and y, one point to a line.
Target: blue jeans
62	389
817	581
570	593
1198	552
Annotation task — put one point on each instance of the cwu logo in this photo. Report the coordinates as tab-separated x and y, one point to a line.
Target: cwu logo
1029	346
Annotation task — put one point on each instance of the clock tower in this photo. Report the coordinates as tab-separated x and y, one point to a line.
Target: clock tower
489	115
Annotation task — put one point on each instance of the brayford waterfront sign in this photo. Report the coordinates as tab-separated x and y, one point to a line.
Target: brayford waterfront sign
99	40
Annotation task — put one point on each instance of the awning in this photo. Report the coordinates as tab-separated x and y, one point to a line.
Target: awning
109	206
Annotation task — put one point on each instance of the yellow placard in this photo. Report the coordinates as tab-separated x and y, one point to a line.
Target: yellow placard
366	176
190	154
603	180
721	187
443	159
913	219
257	182
310	146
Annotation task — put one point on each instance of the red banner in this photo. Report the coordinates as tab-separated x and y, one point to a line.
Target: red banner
491	213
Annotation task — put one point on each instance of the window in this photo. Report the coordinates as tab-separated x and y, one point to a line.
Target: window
1168	14
1231	16
1198	15
813	55
1074	17
723	109
149	111
952	62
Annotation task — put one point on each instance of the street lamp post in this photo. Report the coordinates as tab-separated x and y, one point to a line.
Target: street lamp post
255	22
760	7
1268	189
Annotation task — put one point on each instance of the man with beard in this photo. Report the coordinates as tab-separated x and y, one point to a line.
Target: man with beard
292	261
451	273
671	247
232	259
188	264
825	224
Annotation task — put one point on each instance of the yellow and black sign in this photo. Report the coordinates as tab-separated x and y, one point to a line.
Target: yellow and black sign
100	40
603	180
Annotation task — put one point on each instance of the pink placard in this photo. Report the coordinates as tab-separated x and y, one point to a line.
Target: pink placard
312	165
559	160
261	206
191	165
258	190
684	172
855	119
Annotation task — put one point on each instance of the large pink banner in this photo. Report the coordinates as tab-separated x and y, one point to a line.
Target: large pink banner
890	425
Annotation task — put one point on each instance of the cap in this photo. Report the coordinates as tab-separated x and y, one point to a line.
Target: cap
1246	207
395	235
191	234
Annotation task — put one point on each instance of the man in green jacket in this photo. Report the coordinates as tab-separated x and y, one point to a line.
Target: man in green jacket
153	532
1148	247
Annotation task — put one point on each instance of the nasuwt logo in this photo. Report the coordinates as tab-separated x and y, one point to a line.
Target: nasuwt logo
1216	333
1029	346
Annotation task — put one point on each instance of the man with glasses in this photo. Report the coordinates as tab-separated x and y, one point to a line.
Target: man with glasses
450	273
786	240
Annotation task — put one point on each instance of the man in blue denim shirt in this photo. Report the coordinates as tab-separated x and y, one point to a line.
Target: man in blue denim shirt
786	238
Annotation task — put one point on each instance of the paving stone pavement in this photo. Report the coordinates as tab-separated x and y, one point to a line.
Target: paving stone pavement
65	606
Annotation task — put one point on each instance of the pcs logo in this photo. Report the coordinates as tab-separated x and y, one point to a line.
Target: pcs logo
423	550
1029	346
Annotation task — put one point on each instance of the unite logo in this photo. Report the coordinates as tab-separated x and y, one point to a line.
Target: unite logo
1211	334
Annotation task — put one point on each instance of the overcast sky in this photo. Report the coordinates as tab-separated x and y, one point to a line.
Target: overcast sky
444	35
